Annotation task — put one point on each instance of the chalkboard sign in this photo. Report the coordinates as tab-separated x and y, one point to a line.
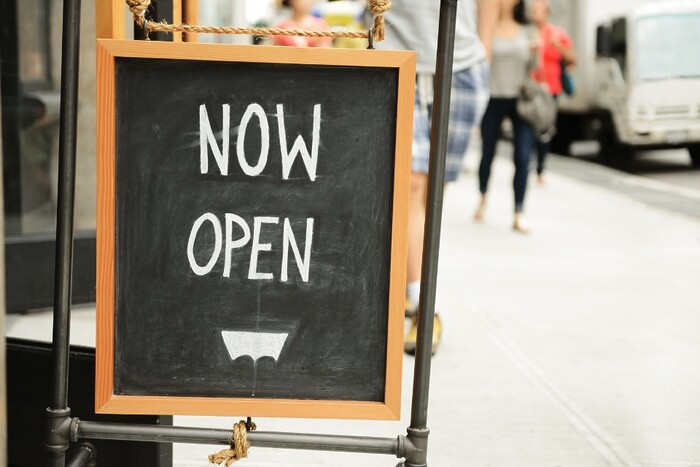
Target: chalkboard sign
252	216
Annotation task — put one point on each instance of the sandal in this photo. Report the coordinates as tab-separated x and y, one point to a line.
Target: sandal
520	224
480	210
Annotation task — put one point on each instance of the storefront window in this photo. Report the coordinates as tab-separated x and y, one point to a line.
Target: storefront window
30	52
34	50
30	117
30	77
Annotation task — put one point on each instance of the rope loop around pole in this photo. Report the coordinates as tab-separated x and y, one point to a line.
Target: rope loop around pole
138	9
239	445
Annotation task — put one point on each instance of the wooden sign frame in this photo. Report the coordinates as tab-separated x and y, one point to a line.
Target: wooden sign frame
105	399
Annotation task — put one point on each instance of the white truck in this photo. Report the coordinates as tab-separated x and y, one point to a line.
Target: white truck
637	76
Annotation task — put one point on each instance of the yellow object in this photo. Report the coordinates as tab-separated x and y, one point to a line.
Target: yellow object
409	343
344	15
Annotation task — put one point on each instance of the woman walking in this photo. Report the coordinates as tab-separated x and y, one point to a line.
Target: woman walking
556	47
510	64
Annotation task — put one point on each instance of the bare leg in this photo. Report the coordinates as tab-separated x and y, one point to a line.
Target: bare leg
416	225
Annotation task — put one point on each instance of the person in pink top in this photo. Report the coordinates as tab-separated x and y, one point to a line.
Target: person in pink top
302	19
555	46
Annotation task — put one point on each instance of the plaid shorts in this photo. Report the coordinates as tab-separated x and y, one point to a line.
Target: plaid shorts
470	95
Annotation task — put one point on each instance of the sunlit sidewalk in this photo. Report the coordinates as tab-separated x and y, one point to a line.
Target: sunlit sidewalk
575	345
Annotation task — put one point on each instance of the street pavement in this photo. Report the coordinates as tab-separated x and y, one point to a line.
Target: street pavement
575	345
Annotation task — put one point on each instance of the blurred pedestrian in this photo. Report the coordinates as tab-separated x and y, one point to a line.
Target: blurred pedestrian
301	18
556	49
413	25
511	59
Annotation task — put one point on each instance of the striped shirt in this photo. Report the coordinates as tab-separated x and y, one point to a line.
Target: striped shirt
413	25
509	64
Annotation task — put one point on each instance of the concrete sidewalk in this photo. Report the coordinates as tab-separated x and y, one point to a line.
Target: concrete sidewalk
576	345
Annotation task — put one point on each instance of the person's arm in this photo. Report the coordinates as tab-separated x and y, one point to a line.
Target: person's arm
564	45
487	18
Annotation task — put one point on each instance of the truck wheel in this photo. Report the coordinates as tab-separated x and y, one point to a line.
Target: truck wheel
694	152
607	139
561	143
618	156
614	153
566	133
625	158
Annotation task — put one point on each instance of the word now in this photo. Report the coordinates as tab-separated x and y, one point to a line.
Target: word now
228	244
207	141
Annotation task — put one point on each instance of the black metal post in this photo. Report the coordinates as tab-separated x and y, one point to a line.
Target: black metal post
57	439
418	431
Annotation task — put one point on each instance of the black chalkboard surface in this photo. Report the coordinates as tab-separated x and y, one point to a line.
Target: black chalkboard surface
257	230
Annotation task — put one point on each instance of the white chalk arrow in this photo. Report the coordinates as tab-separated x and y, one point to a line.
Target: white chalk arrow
254	344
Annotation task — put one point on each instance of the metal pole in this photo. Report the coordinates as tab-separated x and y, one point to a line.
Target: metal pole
3	365
418	431
58	413
398	446
85	455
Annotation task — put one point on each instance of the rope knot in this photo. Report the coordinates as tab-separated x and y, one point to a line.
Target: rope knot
238	448
138	9
378	8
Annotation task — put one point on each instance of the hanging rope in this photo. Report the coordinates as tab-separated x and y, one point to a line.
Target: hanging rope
377	7
239	445
189	29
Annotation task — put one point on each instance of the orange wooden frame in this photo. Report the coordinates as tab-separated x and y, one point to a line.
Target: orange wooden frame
105	399
110	19
190	15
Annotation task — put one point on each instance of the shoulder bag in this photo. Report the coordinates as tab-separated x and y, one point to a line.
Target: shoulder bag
567	79
535	104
